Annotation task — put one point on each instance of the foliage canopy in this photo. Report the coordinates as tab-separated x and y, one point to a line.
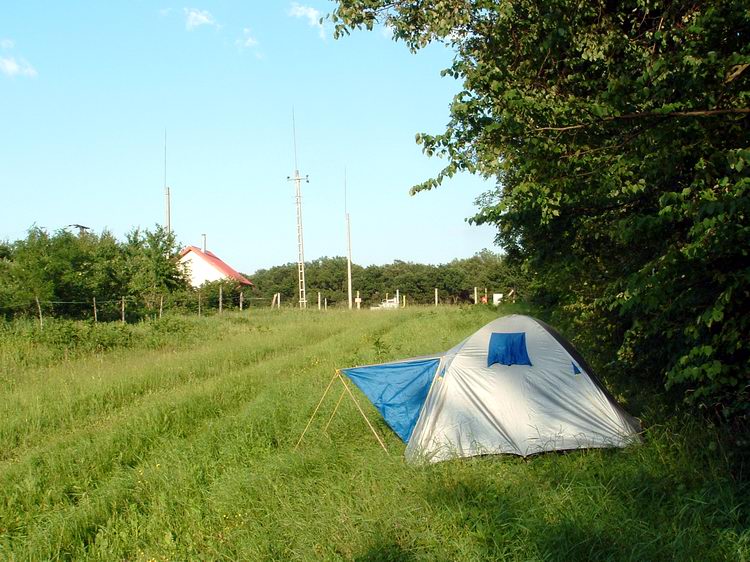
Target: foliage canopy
63	270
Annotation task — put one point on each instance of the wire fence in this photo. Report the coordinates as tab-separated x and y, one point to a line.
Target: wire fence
129	308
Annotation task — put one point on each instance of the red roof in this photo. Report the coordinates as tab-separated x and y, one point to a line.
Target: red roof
214	260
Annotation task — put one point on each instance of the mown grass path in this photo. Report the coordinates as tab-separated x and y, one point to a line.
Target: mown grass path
186	452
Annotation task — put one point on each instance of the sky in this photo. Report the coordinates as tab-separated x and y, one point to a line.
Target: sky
88	89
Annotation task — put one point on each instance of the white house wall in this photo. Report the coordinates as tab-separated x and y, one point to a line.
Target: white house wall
200	270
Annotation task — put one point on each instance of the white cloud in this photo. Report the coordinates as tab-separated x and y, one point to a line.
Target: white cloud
164	12
196	18
12	67
310	14
247	40
7	43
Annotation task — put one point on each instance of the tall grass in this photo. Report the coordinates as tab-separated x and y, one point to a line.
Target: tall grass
23	343
185	450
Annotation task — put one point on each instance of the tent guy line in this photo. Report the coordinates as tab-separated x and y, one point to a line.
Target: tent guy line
346	389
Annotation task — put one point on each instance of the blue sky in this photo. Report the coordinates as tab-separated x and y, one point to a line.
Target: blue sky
87	89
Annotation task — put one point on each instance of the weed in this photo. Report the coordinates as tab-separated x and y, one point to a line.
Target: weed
174	440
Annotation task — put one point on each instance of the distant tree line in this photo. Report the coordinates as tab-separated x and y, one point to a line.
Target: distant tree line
455	280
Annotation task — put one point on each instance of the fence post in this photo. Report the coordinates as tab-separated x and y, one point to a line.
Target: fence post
122	310
326	303
242	297
358	300
199	303
436	296
96	318
161	305
278	300
221	299
39	309
476	298
318	300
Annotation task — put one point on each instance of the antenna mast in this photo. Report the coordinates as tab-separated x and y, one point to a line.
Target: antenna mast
167	197
300	242
349	244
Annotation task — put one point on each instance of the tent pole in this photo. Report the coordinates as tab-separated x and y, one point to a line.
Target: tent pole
333	378
341	397
375	433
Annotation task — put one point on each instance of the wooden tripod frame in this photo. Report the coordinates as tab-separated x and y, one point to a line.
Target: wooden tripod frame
345	390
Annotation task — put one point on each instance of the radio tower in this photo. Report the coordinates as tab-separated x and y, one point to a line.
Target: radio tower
349	247
300	242
167	194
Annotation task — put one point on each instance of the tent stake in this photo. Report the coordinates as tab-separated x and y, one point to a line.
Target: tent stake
346	386
341	397
333	378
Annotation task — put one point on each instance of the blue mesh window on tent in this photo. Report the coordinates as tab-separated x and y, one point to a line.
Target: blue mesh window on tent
508	349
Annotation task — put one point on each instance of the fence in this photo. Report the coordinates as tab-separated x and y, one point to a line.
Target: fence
155	305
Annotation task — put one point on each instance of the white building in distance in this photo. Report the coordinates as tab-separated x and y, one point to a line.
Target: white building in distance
204	266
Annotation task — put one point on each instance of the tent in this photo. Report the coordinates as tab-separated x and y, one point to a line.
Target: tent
515	386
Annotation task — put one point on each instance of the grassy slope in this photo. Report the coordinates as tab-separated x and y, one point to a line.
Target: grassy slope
187	452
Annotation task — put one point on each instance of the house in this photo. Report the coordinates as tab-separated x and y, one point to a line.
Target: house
203	266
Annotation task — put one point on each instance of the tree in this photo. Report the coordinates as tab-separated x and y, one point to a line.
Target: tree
618	135
65	271
151	264
417	281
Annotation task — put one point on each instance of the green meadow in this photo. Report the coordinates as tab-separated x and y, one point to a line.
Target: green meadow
174	439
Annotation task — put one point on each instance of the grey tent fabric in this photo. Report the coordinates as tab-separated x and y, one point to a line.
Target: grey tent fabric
556	403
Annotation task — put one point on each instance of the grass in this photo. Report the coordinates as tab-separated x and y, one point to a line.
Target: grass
178	444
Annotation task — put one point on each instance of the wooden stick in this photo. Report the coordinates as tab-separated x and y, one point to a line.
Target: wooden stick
39	309
161	305
122	310
221	299
96	319
375	433
341	397
333	378
199	303
242	298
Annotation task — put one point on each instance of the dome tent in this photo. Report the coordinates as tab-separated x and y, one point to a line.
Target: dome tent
515	386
